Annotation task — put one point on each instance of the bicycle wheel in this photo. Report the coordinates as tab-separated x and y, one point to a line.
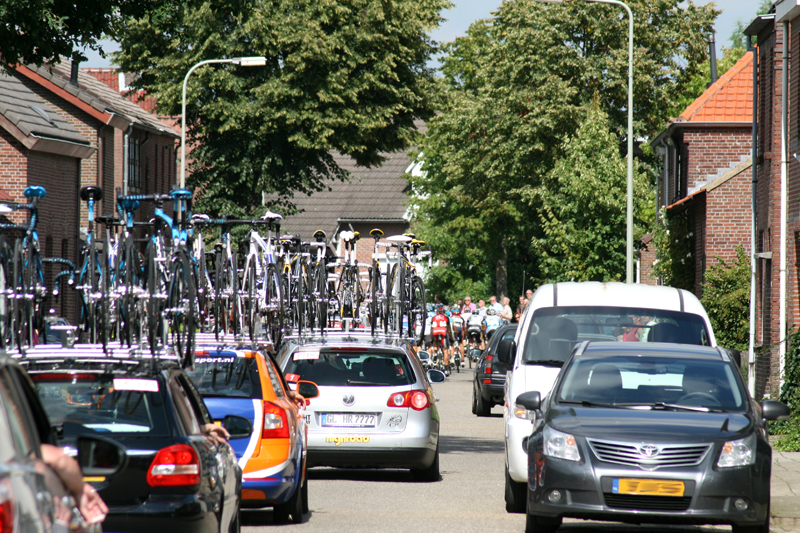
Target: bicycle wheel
155	291
388	303
417	310
299	294
129	271
6	284
250	304
220	309
321	293
17	325
235	300
274	305
180	308
32	268
374	290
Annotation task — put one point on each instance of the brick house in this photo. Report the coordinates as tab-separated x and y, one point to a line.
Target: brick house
778	189
706	174
63	129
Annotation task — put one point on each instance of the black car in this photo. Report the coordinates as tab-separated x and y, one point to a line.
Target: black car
31	493
490	374
649	433
176	477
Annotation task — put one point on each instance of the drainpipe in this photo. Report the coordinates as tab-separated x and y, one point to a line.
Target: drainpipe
125	156
751	359
784	174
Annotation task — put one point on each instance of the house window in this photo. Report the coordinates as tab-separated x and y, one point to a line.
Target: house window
134	164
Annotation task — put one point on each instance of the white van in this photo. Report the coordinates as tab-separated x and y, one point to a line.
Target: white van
561	315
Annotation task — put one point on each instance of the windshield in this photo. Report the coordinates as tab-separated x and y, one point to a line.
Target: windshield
360	366
89	403
226	374
649	381
556	330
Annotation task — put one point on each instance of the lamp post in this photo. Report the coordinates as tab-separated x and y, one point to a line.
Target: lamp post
629	233
256	61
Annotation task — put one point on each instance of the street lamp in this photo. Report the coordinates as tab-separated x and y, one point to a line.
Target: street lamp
629	236
255	61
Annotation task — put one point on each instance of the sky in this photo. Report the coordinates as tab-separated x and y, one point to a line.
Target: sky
467	11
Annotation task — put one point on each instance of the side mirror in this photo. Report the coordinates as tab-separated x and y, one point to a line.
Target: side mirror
436	376
238	426
100	456
307	389
506	349
531	400
772	410
736	355
422	355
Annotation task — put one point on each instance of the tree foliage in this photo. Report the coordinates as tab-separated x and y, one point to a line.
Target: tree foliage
673	241
345	76
726	298
518	85
738	39
39	31
582	207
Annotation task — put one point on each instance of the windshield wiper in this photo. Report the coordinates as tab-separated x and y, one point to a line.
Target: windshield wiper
364	383
586	403
546	362
673	406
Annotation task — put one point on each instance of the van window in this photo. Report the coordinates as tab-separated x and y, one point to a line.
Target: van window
360	367
555	331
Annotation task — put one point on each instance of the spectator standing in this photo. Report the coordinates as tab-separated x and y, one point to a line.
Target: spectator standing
506	314
494	304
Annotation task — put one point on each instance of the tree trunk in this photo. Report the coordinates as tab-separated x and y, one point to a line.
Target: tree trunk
501	273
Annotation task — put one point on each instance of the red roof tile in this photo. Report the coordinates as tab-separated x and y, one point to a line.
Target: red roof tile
729	99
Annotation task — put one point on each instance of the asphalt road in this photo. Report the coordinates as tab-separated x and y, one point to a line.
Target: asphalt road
469	497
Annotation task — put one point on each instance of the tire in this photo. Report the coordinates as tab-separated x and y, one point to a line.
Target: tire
6	281
154	308
321	290
474	400
417	310
275	310
292	508
374	286
431	473
251	308
182	297
537	524
516	495
482	408
388	302
305	496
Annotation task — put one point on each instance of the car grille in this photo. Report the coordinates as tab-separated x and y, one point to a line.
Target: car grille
666	456
647	503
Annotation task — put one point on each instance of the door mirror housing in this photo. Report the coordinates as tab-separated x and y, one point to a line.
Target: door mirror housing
436	376
239	427
100	456
772	410
506	350
530	400
307	389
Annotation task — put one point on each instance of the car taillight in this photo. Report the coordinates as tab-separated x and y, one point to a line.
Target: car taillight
416	399
174	465
488	368
7	507
276	425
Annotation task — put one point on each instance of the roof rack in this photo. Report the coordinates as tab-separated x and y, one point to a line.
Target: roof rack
99	353
354	336
205	341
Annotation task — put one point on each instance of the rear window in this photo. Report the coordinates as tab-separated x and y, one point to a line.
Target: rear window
351	367
226	375
555	331
90	403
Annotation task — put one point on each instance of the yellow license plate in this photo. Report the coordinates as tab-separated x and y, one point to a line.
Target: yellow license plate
647	487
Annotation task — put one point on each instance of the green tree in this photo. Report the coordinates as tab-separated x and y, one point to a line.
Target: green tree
345	76
517	85
738	39
39	31
582	207
726	298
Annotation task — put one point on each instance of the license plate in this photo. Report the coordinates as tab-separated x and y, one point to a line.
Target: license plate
647	487
350	420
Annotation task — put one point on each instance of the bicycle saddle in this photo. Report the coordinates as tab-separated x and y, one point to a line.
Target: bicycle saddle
376	233
35	191
91	192
418	242
347	236
320	236
269	215
399	238
200	219
184	194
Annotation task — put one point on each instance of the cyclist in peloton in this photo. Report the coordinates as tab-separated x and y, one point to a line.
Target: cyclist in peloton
491	322
441	334
475	330
457	325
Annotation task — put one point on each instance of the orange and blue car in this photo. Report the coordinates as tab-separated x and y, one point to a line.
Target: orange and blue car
247	383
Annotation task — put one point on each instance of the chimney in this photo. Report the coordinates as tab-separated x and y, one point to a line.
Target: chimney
73	74
712	54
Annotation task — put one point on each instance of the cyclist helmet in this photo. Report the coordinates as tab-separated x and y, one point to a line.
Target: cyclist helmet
491	311
456	311
439	308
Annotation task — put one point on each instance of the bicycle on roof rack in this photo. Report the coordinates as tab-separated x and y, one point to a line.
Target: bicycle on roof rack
405	304
349	291
22	280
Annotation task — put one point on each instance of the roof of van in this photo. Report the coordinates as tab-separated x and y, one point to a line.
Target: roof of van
593	293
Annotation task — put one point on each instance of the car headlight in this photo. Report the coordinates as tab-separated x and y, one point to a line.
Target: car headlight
740	452
560	445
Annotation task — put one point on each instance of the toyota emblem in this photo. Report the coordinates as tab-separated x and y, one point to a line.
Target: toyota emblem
648	450
348	399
